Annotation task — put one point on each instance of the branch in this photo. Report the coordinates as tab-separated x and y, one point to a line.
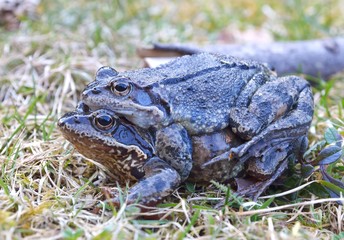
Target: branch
317	58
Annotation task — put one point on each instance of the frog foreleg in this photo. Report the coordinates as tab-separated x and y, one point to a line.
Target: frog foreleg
174	146
163	174
160	180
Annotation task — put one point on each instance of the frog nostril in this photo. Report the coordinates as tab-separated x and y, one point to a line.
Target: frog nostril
95	90
86	108
76	119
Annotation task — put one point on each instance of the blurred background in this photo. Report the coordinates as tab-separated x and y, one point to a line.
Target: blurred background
50	50
62	43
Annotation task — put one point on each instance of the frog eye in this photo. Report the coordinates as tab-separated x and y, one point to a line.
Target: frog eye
121	88
104	121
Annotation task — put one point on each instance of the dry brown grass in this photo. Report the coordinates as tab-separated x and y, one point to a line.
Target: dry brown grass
47	190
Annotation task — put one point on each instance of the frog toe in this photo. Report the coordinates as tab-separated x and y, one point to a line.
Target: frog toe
257	188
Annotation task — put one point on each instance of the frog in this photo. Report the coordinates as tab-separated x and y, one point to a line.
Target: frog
135	155
206	93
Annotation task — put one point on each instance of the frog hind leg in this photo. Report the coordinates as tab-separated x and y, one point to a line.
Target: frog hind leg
291	127
160	180
270	102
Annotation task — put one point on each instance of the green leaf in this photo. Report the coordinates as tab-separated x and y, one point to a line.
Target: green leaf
70	234
318	190
319	145
190	187
329	155
333	136
306	170
192	223
330	179
150	222
267	203
104	235
4	187
340	236
332	187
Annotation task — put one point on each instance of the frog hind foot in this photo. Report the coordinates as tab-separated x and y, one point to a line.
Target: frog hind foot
221	157
160	181
255	190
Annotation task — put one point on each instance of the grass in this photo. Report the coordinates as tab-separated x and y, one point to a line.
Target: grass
48	190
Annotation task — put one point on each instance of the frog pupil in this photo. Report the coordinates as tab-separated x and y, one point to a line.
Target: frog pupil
104	120
121	87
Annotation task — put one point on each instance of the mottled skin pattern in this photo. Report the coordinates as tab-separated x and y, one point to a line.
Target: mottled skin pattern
196	91
205	93
136	155
131	150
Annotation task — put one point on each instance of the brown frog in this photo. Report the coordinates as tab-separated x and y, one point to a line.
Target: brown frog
137	155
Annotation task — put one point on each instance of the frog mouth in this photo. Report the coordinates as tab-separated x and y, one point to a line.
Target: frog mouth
83	108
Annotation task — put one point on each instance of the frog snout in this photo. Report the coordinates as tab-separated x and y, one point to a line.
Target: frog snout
88	92
61	123
68	119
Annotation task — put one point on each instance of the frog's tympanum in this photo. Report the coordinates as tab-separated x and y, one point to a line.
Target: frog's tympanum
194	98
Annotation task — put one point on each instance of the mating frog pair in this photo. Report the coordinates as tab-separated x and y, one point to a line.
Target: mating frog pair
201	117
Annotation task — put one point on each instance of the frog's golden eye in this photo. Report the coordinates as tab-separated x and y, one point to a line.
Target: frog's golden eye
104	121
120	87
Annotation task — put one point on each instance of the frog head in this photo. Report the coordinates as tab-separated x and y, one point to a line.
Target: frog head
106	139
119	93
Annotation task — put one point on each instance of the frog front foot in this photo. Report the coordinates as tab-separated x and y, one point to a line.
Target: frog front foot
160	180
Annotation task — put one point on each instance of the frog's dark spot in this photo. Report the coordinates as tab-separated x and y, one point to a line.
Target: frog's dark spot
123	151
175	80
244	66
137	173
84	108
170	149
190	89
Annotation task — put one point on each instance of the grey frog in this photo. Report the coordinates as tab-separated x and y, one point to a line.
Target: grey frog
205	93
